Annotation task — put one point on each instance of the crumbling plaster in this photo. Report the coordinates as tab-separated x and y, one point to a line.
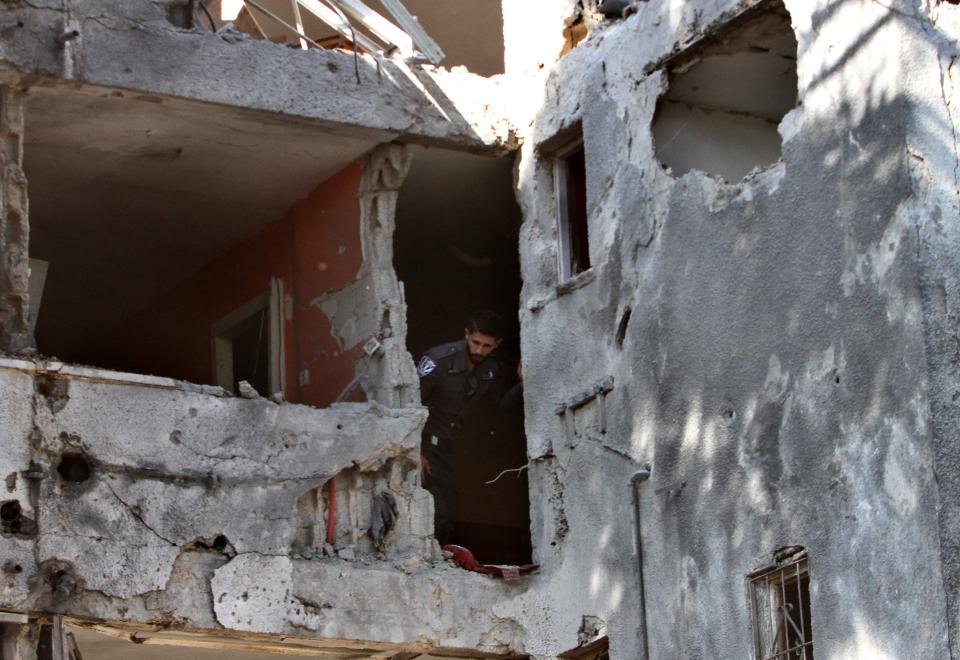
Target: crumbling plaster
200	509
173	469
932	51
134	46
14	228
773	373
786	373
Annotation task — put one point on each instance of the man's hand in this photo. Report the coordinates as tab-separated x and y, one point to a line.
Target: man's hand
424	468
520	370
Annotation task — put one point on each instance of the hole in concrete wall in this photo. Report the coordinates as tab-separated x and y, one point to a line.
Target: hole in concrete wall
12	519
74	467
623	326
726	95
457	251
54	390
9	511
219	543
180	13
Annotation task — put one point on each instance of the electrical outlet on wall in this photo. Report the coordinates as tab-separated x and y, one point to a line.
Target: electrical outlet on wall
304	377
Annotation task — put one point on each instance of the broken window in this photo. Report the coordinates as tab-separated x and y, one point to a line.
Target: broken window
727	94
780	608
570	181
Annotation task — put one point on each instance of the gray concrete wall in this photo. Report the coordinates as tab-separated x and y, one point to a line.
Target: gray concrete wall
933	93
171	469
787	373
774	372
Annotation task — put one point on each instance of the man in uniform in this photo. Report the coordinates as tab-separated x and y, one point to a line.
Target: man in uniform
458	381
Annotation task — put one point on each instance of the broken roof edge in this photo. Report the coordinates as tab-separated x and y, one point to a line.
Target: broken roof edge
393	98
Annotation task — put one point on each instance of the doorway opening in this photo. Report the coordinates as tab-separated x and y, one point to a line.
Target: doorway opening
456	251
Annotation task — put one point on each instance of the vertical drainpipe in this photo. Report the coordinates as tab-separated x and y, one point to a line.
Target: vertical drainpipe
638	478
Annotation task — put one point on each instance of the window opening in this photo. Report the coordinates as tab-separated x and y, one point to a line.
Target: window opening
780	608
726	96
571	187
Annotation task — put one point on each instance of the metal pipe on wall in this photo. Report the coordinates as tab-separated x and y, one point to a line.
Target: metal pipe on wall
639	477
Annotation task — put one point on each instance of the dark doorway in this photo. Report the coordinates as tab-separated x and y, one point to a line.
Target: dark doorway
457	251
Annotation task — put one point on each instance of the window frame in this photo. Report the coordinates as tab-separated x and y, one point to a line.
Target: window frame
271	303
565	225
789	570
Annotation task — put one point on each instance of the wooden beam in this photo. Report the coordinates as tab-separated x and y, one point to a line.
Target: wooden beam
298	22
332	19
380	27
409	23
14	617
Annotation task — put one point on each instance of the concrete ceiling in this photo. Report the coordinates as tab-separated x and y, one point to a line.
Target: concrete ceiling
129	195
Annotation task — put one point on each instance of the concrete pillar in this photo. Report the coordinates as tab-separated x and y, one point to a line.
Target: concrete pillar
391	380
14	229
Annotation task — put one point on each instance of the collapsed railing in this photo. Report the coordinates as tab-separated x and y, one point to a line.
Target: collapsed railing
376	34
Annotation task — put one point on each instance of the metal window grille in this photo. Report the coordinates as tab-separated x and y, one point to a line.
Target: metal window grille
780	609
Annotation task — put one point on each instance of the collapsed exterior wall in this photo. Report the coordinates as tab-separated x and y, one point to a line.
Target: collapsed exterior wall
776	351
200	512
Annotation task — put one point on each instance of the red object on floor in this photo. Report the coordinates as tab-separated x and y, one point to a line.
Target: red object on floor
467	561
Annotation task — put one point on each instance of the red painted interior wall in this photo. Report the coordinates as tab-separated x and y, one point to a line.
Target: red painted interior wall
314	249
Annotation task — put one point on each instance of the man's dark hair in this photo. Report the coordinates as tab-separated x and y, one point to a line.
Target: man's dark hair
487	322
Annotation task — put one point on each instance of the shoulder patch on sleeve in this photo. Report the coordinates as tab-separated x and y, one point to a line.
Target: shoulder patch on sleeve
425	366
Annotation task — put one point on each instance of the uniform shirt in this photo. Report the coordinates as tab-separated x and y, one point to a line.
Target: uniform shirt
452	391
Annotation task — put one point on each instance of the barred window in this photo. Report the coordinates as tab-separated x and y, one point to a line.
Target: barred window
780	607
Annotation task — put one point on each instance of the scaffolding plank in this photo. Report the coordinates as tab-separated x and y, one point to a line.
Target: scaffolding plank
409	23
377	24
332	19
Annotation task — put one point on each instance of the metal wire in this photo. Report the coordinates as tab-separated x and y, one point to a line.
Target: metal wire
213	24
353	38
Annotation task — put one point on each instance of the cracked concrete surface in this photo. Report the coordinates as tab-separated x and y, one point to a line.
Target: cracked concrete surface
783	349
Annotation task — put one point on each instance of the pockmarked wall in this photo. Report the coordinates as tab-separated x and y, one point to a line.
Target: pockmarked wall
772	365
314	249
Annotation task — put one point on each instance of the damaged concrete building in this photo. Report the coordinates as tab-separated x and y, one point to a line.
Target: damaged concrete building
725	233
